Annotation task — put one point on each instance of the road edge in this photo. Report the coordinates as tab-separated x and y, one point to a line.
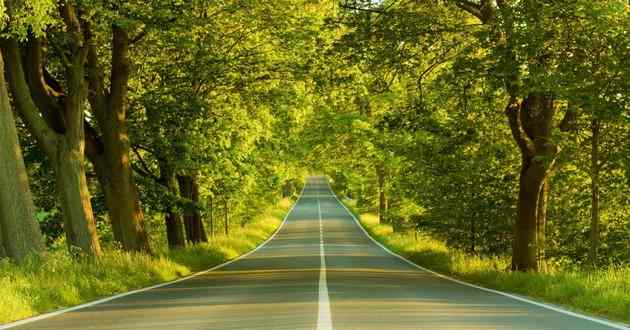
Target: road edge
156	286
501	293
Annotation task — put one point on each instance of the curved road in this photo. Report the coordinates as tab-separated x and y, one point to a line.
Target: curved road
320	271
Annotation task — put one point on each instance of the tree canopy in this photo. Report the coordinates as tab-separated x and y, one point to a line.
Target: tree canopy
501	127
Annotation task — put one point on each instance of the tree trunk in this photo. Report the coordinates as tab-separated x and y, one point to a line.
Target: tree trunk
541	225
227	222
211	217
189	189
64	149
473	235
74	200
531	122
121	194
3	253
382	194
112	161
20	235
172	219
71	181
595	167
525	254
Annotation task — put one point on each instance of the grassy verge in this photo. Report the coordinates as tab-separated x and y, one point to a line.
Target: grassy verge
603	292
57	281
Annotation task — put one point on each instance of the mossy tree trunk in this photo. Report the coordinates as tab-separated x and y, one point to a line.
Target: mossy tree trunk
172	218
20	235
211	216
110	152
226	216
193	223
595	169
382	193
531	122
56	119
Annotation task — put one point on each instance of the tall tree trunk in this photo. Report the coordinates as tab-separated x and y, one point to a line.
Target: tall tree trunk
382	194
172	219
531	122
121	196
74	199
189	189
112	160
211	216
71	181
20	235
595	167
227	219
541	225
473	235
3	253
65	150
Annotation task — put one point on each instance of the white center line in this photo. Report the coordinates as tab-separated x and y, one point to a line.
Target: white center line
324	321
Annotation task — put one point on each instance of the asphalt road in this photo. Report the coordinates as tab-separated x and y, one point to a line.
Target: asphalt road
319	272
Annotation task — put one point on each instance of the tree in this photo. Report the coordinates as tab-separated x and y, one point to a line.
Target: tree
524	49
110	150
56	118
19	232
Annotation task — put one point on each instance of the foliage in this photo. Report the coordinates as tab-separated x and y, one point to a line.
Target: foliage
418	91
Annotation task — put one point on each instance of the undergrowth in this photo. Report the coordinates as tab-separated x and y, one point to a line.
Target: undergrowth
603	292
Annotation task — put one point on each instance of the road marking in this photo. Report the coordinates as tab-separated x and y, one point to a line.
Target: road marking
324	321
519	298
124	294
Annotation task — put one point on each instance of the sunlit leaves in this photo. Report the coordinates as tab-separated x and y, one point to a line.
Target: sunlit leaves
19	17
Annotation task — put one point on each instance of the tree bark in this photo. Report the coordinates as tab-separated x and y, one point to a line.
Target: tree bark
531	122
193	223
211	217
172	218
227	222
3	253
112	161
595	168
382	194
541	225
20	235
473	235
65	150
71	181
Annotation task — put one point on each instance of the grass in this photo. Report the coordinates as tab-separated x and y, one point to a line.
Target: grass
601	292
56	280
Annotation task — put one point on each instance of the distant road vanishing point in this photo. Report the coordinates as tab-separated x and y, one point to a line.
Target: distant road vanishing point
319	271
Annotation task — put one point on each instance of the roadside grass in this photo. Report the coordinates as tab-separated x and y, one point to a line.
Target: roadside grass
601	292
57	280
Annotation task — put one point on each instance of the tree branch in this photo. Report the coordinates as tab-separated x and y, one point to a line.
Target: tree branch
369	10
513	112
96	91
469	6
46	97
121	68
144	170
23	101
93	145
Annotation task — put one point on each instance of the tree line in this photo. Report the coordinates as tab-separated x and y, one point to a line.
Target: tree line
499	126
112	110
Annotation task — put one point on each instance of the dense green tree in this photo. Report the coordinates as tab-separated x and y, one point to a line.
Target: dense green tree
56	118
20	235
521	57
